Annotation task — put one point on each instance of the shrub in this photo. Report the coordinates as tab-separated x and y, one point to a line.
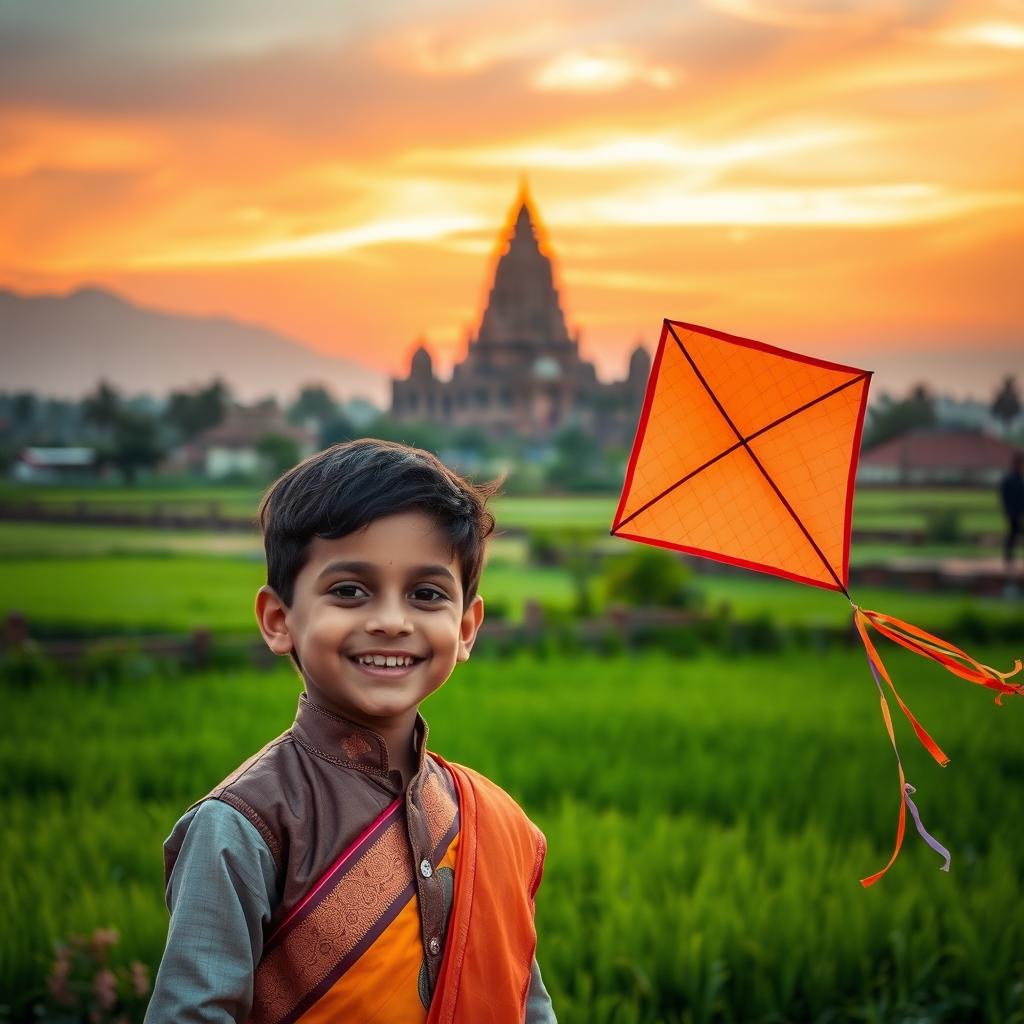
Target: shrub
760	633
26	666
649	577
112	662
942	526
84	986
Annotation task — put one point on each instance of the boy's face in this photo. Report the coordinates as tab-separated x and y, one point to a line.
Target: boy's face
389	589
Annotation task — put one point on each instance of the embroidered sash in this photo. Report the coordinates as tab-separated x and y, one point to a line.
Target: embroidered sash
365	897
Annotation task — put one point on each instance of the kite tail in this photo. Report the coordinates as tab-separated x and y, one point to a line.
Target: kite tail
946	654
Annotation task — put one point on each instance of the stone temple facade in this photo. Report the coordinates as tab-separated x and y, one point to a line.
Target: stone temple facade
522	374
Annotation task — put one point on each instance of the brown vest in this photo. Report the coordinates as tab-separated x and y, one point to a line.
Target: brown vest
310	793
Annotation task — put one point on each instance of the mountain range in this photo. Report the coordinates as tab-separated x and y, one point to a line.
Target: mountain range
63	345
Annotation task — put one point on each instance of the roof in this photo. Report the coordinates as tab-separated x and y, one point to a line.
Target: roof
244	428
942	449
54	457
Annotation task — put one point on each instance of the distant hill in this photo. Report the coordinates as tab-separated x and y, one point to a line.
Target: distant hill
61	345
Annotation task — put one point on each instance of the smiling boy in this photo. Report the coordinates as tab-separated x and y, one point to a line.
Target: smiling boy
344	873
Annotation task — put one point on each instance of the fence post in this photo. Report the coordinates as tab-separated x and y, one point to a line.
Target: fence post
15	630
201	640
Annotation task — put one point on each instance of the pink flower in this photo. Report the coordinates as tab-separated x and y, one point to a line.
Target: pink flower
104	987
139	978
102	939
57	982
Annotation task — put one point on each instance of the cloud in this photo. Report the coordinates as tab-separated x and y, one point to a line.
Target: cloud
580	71
623	150
858	206
1000	35
804	15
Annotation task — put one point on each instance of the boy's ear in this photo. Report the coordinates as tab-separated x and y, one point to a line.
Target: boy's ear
271	614
471	619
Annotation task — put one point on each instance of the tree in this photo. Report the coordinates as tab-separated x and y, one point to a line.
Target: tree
102	408
314	403
894	418
192	412
136	443
577	465
1006	405
23	407
337	429
279	452
429	436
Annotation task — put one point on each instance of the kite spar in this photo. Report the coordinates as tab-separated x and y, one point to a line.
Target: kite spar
746	453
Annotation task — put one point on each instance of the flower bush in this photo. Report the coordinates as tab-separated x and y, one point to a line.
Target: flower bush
84	987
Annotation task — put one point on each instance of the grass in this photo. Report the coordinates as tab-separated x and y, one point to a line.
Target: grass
889	508
180	593
707	821
116	580
787	602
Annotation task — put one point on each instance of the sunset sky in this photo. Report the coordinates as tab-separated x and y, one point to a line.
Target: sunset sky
845	177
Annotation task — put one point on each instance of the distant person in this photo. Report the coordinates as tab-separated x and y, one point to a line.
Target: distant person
344	872
1012	492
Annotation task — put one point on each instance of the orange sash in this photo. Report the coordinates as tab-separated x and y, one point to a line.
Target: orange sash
491	939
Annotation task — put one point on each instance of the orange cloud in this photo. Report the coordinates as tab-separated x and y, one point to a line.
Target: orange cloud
788	168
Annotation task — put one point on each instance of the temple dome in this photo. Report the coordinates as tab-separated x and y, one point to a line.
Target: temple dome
639	363
422	364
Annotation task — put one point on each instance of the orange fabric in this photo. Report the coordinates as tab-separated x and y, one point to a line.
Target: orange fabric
382	986
943	652
929	744
901	824
491	938
915	639
745	453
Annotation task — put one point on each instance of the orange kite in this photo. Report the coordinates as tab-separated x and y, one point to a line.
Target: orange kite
746	453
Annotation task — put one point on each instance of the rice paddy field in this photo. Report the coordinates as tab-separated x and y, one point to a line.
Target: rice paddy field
708	821
108	580
708	817
875	508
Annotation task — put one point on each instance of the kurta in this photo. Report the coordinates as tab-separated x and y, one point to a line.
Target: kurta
308	886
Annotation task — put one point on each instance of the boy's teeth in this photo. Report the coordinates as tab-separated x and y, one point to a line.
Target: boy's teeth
389	661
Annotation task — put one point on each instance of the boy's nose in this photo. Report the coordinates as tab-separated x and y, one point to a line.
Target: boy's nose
390	619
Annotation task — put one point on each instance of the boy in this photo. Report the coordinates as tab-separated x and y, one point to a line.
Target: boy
343	873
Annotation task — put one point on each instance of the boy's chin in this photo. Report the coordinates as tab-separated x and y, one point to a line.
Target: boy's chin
369	712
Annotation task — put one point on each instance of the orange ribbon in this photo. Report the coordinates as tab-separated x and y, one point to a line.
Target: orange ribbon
944	653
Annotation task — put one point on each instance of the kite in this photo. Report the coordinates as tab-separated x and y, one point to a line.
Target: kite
746	453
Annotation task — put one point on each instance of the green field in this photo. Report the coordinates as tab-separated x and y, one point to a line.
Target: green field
881	508
157	589
708	821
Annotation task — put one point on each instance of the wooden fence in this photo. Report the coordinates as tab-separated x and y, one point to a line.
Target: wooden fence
626	627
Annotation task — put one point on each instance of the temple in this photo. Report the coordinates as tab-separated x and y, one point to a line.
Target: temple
522	374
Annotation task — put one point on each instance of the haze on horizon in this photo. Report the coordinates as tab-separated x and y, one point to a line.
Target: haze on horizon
844	177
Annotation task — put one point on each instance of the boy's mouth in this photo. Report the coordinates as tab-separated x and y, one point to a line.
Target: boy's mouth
385	665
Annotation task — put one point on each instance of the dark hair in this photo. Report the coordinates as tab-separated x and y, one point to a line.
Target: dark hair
349	485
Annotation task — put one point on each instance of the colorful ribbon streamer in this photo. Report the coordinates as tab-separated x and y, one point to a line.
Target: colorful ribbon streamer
946	654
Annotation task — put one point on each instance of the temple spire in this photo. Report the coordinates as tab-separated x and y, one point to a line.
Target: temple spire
523	305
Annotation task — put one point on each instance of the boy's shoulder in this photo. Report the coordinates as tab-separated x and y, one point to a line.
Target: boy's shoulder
474	785
250	789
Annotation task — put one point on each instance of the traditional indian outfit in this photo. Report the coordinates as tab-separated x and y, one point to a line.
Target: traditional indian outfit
308	886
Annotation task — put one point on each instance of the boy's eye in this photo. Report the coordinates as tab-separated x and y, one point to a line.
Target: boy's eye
429	595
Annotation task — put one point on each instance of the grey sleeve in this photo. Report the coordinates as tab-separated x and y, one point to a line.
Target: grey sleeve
538	1003
221	895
